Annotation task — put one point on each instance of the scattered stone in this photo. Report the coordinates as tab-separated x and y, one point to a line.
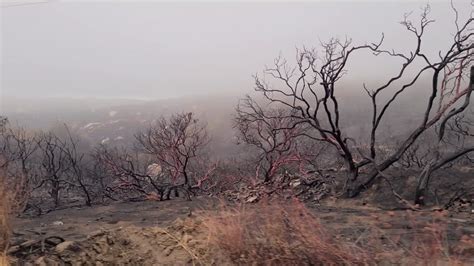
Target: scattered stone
58	223
459	220
67	246
40	261
295	183
252	199
96	234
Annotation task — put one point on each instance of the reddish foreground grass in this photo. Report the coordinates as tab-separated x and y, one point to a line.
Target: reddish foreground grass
12	200
5	210
287	233
276	234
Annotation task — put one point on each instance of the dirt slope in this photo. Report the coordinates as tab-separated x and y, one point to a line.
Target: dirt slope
169	233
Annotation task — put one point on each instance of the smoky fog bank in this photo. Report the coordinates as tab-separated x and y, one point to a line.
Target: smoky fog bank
116	121
110	69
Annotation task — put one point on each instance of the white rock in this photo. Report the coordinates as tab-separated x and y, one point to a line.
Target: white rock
252	199
67	245
295	183
58	223
154	169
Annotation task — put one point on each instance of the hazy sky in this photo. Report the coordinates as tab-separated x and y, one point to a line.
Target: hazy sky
160	50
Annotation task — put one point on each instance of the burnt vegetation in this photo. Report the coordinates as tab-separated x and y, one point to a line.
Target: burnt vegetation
293	130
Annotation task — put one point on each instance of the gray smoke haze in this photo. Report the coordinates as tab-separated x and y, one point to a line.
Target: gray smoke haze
156	50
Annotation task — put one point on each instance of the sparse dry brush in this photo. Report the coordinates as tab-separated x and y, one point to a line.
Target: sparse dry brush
275	233
4	221
288	233
12	201
431	241
427	240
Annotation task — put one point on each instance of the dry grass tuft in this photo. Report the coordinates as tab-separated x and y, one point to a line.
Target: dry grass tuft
423	239
5	211
287	233
430	242
12	200
276	233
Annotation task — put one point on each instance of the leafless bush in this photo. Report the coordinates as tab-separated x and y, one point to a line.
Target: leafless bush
273	133
17	167
309	92
419	154
168	157
61	167
126	174
54	166
460	133
174	143
50	163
